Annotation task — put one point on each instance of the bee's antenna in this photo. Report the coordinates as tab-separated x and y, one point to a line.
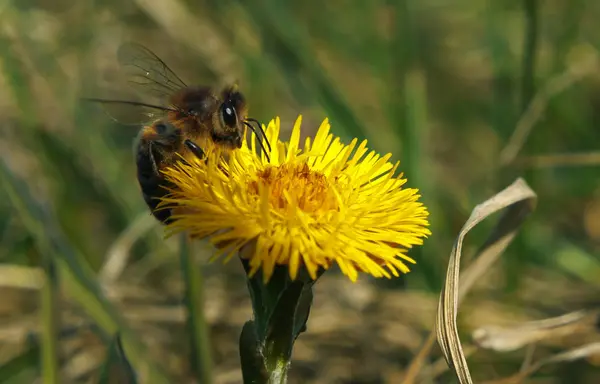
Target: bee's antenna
260	142
259	125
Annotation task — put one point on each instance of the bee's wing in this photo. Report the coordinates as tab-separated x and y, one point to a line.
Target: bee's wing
146	72
130	112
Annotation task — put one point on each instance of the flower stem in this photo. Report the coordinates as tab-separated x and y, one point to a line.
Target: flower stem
281	309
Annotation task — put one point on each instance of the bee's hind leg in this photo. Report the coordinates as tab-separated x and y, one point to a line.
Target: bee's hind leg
152	160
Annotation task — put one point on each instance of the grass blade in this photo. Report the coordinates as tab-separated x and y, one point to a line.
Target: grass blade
200	356
537	107
116	368
76	275
529	52
289	49
50	323
18	365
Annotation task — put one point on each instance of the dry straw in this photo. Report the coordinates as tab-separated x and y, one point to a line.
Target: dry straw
518	201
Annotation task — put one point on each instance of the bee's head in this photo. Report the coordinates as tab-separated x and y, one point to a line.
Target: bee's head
228	118
224	116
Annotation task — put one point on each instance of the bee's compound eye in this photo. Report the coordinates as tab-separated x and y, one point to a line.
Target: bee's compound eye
228	115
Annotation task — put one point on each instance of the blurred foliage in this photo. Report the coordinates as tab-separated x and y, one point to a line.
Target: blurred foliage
441	85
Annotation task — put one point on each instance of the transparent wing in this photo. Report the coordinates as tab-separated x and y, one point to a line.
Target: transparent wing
146	72
130	112
148	75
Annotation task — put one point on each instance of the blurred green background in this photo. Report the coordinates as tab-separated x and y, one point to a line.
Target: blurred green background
467	94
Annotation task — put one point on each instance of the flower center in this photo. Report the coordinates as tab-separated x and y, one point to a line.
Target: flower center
296	184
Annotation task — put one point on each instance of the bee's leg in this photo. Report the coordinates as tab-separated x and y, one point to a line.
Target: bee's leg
152	160
195	149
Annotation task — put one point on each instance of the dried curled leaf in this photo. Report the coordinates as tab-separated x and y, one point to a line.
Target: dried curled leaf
505	339
588	350
518	201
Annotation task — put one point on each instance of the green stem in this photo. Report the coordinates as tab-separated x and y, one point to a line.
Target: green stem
279	373
281	310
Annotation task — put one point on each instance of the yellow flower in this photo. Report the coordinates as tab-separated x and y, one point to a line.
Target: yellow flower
326	202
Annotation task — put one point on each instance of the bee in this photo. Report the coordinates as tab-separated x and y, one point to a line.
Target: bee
189	114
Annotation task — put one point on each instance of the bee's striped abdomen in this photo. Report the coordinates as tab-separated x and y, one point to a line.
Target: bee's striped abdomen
152	183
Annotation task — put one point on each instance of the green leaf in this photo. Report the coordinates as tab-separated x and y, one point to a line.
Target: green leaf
303	310
280	336
253	368
265	296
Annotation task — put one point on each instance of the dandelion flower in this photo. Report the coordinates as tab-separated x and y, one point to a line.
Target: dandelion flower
313	206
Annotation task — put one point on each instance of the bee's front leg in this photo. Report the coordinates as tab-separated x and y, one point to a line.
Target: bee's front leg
195	149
